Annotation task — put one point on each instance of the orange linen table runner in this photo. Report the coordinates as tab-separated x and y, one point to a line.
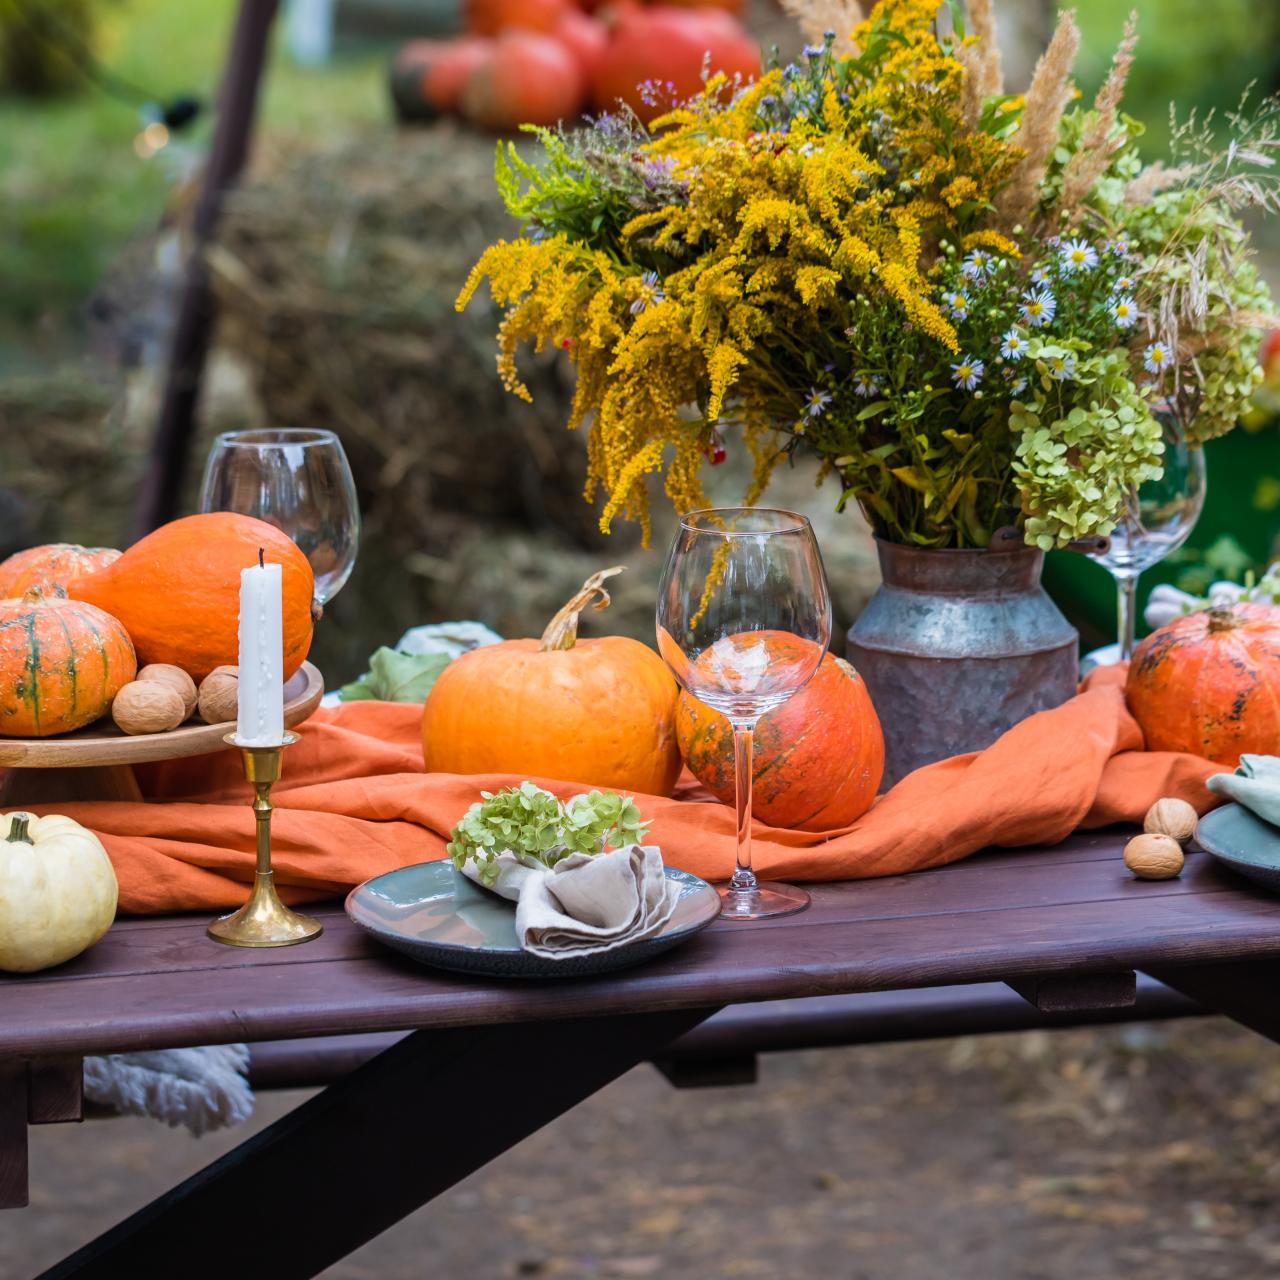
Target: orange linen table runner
354	802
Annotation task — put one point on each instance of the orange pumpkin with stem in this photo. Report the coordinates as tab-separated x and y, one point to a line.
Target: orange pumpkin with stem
61	663
599	712
51	566
818	758
177	591
1209	683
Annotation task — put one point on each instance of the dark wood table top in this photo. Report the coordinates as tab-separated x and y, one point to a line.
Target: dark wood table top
1071	909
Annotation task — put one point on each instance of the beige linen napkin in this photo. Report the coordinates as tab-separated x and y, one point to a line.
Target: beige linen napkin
586	902
1255	784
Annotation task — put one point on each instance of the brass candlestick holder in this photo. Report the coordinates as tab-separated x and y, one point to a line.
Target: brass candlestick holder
263	921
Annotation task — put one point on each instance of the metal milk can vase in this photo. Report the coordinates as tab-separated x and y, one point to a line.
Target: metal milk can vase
958	646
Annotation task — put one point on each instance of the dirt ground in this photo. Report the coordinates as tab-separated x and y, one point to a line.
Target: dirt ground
1148	1151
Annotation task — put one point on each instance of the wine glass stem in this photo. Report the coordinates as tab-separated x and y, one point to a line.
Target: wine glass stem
744	879
1126	609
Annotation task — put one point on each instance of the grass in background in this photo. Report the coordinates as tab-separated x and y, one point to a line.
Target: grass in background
72	189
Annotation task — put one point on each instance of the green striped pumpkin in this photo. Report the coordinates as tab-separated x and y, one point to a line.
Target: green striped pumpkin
61	663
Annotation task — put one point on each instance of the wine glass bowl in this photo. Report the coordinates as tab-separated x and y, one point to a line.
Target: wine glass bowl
298	480
743	621
1156	519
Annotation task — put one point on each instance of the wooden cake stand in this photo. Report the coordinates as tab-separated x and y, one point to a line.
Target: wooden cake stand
96	763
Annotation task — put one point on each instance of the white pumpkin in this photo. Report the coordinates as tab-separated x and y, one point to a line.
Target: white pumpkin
57	891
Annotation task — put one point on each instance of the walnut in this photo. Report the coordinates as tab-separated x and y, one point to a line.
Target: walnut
218	693
1170	817
177	679
148	706
1153	857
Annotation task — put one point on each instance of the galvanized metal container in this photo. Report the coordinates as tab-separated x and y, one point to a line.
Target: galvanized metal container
958	646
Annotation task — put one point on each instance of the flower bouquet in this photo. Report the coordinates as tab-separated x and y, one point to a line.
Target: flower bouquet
967	304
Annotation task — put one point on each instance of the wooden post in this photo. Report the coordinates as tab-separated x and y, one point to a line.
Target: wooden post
193	323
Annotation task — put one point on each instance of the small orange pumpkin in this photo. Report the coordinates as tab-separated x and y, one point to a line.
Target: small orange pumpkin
1209	683
61	663
50	567
817	759
493	17
177	591
599	712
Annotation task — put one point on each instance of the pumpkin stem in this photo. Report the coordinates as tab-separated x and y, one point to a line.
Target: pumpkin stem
18	832
1222	618
562	630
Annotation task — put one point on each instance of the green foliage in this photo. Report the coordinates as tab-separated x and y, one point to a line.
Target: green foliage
539	830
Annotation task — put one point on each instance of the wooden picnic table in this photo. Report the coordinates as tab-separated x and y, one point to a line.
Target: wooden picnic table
490	1062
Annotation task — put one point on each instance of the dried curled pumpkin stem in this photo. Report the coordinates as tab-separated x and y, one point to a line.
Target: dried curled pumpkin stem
562	630
19	832
1223	618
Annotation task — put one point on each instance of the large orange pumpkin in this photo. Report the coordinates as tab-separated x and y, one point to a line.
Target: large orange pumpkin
818	757
61	663
530	79
599	712
1209	683
669	47
427	76
493	17
51	566
177	591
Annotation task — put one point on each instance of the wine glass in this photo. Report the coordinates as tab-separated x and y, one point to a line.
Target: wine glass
298	480
743	622
1157	518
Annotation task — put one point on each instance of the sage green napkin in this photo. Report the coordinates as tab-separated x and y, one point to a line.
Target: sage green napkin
1255	784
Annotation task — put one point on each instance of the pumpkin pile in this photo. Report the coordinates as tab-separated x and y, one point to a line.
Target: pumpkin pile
146	636
543	61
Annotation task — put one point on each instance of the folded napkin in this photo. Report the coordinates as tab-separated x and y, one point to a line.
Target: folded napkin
1255	784
586	902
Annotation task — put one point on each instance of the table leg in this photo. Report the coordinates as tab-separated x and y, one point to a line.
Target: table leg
369	1150
13	1135
1243	990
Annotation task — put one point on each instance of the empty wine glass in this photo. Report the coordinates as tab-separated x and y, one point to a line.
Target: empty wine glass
743	622
1157	519
298	480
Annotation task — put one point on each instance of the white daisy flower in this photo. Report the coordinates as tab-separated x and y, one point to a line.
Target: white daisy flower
1157	358
1040	275
976	264
866	387
1038	307
1079	255
817	402
957	303
967	373
1014	345
1062	367
1019	386
1123	312
1124	284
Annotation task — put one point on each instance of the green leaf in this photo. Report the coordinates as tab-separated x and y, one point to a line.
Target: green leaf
876	407
397	677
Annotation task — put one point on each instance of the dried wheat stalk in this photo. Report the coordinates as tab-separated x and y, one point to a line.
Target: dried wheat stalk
1098	145
816	17
983	76
1046	100
1154	179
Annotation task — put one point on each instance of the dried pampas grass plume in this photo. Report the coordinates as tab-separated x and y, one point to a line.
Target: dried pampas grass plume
1097	146
1154	179
983	76
1045	102
816	17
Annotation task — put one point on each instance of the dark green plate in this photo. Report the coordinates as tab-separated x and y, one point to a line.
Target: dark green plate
437	916
1237	837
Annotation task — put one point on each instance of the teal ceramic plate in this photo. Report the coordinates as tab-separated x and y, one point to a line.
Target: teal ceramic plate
437	916
1233	835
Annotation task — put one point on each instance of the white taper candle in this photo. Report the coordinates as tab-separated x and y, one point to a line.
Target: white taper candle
260	702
